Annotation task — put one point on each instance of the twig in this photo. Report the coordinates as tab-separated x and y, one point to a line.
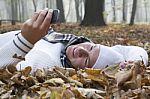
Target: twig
66	79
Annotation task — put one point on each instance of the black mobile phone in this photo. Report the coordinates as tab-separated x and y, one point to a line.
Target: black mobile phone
55	16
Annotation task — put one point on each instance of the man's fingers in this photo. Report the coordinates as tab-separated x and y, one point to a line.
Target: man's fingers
41	17
47	20
35	15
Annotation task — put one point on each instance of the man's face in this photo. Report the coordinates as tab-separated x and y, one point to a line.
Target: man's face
83	55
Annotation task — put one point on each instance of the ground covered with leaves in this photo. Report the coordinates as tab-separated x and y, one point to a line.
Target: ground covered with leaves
121	81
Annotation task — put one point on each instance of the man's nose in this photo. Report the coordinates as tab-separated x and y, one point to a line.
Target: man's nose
83	52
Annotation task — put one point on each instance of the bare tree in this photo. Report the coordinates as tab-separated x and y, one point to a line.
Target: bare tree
47	5
113	2
19	7
77	4
22	10
124	11
145	3
133	12
61	8
34	4
14	12
69	9
93	13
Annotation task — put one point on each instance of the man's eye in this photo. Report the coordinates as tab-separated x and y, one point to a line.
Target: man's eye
91	48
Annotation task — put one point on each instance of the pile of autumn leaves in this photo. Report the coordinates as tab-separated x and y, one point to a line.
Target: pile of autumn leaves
122	81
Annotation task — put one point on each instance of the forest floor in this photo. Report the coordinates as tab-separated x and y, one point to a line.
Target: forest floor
111	34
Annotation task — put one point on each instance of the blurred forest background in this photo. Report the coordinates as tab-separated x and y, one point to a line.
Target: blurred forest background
118	11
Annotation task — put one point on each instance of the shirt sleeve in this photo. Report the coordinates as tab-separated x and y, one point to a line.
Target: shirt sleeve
16	45
6	37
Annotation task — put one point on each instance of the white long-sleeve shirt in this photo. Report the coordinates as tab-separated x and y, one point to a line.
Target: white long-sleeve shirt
41	55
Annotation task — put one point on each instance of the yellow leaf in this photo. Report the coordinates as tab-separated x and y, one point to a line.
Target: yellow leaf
96	75
92	71
101	80
55	95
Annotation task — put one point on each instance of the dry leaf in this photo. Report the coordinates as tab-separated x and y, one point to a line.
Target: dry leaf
26	71
40	75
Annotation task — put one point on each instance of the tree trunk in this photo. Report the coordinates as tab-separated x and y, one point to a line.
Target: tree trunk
22	11
34	4
61	8
145	3
77	3
69	9
93	13
14	12
113	2
133	12
19	10
124	11
47	6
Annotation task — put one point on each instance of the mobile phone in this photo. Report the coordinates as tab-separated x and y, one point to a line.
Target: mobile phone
55	16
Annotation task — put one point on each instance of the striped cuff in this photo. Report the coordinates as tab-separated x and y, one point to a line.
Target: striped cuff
22	44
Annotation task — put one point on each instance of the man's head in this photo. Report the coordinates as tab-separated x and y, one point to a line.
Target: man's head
83	55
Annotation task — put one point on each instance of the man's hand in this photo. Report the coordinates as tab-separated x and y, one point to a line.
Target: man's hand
37	27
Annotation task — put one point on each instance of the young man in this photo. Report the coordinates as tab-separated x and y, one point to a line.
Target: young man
44	48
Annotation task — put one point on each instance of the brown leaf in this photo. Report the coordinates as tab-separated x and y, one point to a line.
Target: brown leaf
68	94
40	75
66	79
26	71
123	76
12	68
70	71
5	74
30	81
54	82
